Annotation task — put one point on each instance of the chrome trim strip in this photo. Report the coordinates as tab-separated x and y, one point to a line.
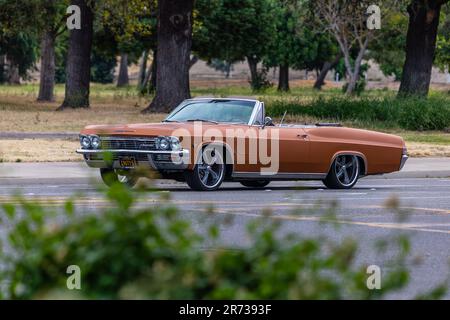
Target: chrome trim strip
183	152
279	176
403	161
131	138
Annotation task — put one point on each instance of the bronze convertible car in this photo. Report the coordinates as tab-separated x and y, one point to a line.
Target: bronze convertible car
204	142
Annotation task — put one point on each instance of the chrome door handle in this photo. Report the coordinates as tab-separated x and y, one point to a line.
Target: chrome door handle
303	136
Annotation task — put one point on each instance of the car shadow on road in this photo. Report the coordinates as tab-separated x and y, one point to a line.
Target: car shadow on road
282	188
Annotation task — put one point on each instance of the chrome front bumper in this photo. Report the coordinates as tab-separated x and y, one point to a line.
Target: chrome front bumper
403	161
179	160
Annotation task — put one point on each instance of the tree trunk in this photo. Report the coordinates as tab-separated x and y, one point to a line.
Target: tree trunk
13	76
2	68
320	82
227	70
78	68
173	54
420	47
123	79
47	76
153	74
150	76
354	72
253	66
351	85
143	70
283	82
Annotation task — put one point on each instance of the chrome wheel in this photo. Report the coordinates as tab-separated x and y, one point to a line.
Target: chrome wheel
211	170
347	170
344	172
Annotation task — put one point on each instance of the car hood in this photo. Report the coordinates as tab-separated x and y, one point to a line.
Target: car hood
146	129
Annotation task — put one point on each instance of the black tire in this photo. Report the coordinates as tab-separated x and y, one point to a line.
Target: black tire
344	173
110	177
255	184
207	177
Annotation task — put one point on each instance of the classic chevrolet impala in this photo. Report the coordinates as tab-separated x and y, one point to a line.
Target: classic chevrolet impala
204	142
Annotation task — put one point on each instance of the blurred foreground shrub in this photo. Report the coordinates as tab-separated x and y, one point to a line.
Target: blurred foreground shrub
127	251
409	114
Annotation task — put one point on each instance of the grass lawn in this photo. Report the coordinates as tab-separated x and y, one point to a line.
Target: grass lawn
109	105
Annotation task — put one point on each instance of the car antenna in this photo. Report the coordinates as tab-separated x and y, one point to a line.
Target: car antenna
282	119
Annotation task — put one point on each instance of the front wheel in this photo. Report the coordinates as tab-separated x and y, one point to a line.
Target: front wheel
111	177
344	173
255	184
209	173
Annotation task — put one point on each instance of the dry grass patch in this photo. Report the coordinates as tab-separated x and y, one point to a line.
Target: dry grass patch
24	114
38	150
420	150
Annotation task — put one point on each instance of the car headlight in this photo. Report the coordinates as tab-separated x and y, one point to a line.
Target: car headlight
85	142
95	142
175	144
163	143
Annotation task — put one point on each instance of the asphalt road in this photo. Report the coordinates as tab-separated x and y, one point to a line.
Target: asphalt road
361	213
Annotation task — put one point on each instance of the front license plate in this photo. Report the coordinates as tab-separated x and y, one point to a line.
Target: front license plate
127	162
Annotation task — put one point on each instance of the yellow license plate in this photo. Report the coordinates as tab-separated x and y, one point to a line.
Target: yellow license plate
127	162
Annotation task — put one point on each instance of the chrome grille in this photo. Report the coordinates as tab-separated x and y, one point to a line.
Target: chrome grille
128	144
115	157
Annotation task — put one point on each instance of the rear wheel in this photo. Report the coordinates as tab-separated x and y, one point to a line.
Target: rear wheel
255	184
111	177
344	173
209	173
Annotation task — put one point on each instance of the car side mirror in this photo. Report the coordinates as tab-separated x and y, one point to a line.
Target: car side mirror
268	122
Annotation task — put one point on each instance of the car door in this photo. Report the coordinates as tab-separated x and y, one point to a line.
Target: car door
290	147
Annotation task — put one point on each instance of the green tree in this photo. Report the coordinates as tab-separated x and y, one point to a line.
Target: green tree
388	50
346	22
21	52
424	17
235	30
132	23
290	46
18	42
443	43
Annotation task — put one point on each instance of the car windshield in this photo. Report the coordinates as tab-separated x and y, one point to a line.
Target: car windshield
214	111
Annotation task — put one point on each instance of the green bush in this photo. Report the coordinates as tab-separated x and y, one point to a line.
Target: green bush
409	114
129	251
